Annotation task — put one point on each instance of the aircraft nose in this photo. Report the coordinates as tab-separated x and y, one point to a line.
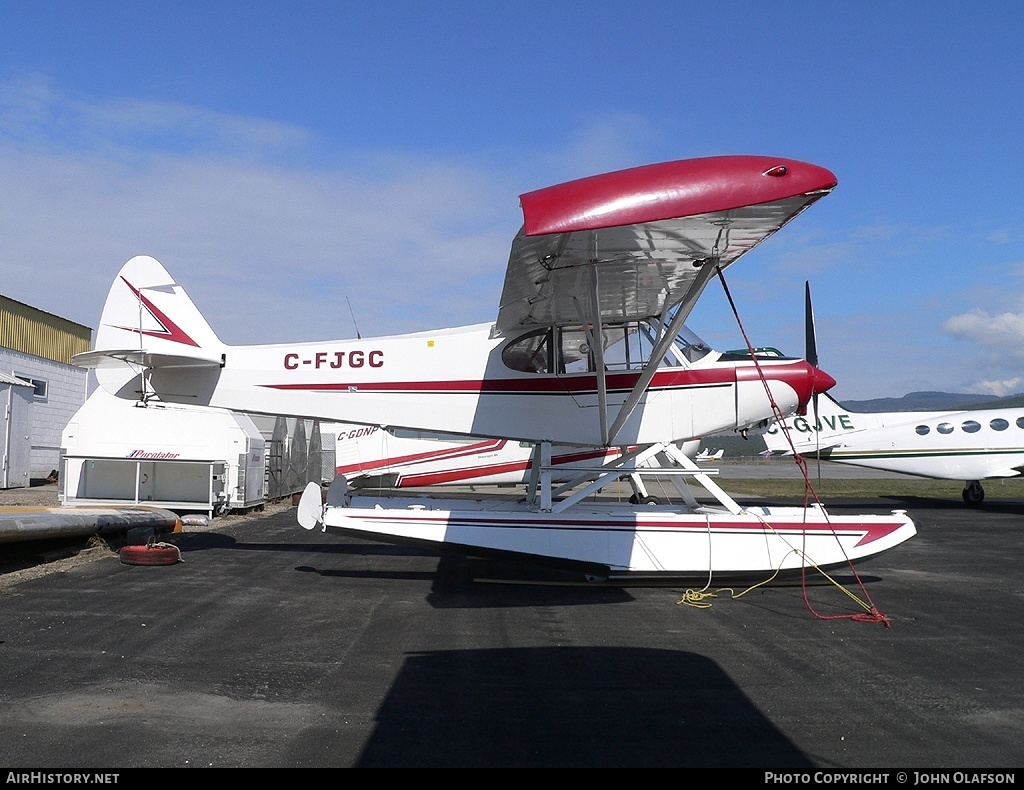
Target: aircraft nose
821	381
818	381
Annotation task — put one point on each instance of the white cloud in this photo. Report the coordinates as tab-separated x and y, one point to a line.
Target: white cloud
269	249
32	109
1003	332
1000	388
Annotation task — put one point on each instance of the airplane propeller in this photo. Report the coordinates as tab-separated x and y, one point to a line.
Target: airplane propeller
811	354
810	342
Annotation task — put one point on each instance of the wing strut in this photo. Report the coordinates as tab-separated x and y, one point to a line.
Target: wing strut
673	462
597	344
668	337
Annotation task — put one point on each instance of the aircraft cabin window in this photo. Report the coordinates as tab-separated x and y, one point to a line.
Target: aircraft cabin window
693	347
530	353
922	430
1020	422
945	427
999	424
971	426
627	346
575	348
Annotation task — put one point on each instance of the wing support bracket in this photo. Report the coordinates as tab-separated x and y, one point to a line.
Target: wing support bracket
707	271
663	458
597	344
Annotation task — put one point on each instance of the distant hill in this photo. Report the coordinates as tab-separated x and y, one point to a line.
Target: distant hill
935	401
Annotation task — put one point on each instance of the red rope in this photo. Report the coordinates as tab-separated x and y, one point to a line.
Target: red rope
873	616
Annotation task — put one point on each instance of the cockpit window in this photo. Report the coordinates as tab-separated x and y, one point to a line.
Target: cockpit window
530	353
693	347
626	347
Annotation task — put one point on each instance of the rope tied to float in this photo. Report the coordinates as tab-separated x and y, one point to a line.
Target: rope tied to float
871	613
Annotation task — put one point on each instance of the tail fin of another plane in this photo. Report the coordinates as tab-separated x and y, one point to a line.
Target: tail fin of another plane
148	322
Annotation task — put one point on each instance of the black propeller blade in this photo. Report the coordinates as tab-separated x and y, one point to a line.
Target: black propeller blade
811	354
810	344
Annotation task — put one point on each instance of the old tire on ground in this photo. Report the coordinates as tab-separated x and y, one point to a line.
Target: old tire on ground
150	554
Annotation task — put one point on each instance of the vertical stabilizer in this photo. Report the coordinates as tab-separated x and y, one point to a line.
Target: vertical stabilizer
146	309
148	322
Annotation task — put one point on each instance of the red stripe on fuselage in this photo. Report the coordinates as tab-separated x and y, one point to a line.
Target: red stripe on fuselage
550	384
489	445
454	475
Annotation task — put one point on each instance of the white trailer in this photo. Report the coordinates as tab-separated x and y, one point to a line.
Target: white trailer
294	454
174	457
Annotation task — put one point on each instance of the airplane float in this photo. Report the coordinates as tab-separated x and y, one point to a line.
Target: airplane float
588	348
970	445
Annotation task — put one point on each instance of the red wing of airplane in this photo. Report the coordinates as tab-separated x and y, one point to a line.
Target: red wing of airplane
640	241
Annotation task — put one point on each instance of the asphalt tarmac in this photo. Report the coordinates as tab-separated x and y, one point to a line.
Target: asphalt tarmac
272	647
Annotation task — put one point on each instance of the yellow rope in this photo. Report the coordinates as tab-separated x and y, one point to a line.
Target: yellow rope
695	598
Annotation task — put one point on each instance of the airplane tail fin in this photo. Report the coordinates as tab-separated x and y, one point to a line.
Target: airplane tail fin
148	322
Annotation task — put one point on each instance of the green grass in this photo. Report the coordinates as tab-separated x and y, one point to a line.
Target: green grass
870	487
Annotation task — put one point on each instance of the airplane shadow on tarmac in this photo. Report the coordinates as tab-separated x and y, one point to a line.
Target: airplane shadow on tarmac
571	707
463	581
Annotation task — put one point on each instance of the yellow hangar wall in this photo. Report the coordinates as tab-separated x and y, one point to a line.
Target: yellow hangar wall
40	334
36	347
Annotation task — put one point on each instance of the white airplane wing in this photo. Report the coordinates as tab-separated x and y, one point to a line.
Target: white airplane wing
657	235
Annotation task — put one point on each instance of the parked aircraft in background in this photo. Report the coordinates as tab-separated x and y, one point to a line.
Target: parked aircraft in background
588	349
970	445
369	456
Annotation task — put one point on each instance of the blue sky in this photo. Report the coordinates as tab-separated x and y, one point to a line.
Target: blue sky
285	160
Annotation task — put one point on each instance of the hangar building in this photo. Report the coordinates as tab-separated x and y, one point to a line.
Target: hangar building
36	348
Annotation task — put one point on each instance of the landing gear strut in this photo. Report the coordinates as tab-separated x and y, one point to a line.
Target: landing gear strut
973	493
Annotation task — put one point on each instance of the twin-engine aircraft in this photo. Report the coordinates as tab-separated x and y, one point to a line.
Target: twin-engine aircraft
589	348
970	445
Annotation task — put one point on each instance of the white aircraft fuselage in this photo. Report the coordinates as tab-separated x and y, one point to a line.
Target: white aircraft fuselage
969	445
455	381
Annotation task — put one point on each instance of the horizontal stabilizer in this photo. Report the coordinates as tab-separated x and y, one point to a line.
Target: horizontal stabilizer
116	358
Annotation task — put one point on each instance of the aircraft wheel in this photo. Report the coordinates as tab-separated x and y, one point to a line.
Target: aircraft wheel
596	578
650	500
973	493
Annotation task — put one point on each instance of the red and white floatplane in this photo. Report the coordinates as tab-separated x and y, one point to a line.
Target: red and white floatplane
589	349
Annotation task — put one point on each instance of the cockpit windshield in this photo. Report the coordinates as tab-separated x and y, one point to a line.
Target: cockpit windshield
692	347
624	347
